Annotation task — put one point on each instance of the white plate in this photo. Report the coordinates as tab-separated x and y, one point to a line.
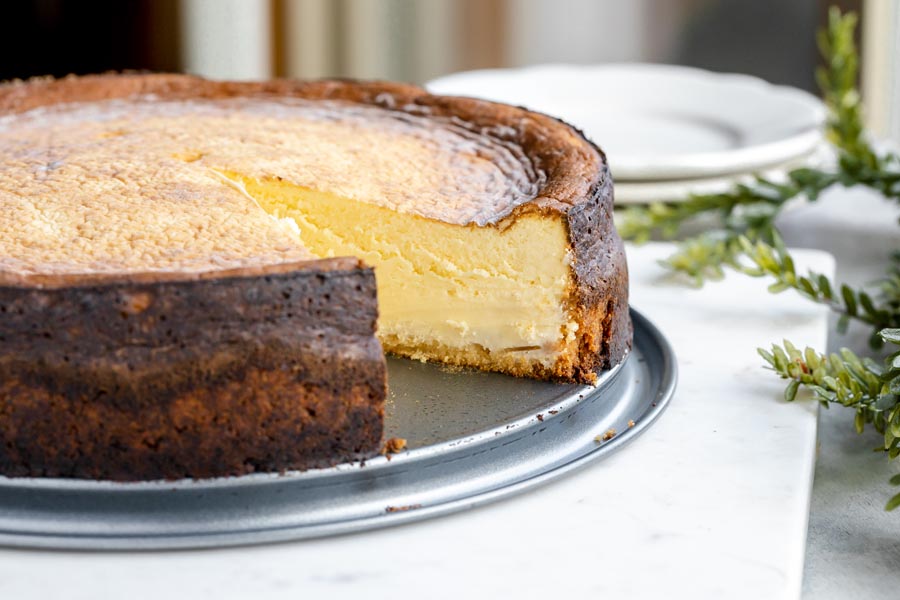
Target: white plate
679	190
661	121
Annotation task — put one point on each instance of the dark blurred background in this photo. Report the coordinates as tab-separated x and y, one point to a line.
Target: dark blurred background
57	37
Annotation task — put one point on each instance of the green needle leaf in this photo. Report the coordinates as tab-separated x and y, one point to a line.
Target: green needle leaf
893	503
791	391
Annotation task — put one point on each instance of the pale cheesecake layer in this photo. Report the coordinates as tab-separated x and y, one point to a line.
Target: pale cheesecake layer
462	294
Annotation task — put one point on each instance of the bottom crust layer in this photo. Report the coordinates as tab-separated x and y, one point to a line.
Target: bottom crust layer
261	421
263	370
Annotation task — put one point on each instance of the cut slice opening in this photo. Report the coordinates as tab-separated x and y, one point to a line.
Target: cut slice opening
464	295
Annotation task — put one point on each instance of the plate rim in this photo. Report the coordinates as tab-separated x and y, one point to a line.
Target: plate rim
679	190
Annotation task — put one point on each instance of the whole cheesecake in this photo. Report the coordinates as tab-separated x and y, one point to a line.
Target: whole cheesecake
191	272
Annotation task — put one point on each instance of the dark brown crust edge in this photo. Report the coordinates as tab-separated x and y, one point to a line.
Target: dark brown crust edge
199	377
601	276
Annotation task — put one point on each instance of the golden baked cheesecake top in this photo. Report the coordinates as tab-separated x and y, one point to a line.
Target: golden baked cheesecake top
140	183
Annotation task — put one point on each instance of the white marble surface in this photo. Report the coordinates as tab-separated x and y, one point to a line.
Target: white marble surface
853	544
710	503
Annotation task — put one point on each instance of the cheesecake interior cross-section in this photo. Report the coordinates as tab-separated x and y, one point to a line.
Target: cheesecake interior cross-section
191	272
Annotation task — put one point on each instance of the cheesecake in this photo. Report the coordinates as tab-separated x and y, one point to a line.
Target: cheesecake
197	278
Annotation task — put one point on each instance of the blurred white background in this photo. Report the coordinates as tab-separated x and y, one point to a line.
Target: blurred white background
416	40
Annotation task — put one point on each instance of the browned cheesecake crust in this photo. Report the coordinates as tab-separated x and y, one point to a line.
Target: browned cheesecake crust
153	375
148	377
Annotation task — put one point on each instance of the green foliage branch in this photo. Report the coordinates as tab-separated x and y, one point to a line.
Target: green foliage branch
746	239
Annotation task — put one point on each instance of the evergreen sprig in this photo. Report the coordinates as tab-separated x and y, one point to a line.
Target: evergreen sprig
775	261
747	232
837	80
872	390
748	241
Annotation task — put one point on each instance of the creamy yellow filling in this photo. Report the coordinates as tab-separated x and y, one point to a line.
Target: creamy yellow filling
456	287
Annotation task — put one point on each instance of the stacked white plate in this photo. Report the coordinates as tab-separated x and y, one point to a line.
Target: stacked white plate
668	131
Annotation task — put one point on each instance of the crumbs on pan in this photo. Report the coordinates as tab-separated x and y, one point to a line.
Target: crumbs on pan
610	434
630	424
453	369
393	446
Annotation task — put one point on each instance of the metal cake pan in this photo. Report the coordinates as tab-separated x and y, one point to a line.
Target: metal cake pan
472	438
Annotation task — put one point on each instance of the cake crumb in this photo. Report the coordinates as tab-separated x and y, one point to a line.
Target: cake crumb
630	424
393	445
393	509
540	417
610	434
